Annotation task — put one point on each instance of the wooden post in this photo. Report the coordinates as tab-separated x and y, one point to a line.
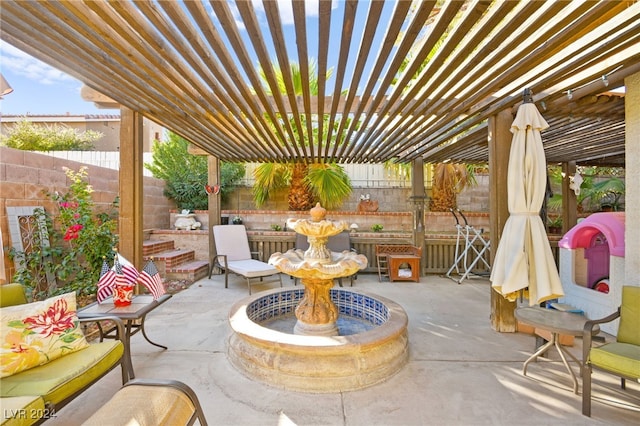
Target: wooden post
569	199
418	198
214	199
131	187
500	136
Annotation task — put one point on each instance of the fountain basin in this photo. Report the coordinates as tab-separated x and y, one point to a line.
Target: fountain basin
318	364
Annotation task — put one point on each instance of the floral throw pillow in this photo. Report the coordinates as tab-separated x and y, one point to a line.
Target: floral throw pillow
36	333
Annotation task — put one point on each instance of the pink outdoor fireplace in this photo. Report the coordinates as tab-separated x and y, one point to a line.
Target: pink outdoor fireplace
592	266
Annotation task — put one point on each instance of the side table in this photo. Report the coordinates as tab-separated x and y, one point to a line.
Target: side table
132	315
557	323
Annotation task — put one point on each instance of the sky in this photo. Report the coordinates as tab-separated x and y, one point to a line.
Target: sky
39	88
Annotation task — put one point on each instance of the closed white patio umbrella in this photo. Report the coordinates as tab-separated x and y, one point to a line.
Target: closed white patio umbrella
524	258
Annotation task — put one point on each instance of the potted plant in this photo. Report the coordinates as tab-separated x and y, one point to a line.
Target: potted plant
555	225
237	220
377	227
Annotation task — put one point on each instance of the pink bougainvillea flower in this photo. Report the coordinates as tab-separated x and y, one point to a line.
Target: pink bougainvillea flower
56	319
73	232
69	204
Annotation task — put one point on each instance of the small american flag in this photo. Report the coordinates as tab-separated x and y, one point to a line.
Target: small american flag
106	282
126	268
151	279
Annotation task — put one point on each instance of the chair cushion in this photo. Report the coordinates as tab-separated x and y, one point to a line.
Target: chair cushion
620	358
629	329
12	294
252	268
232	241
35	333
63	377
22	410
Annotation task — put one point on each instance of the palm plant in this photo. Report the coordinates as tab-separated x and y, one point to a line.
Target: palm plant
449	179
607	193
327	183
595	194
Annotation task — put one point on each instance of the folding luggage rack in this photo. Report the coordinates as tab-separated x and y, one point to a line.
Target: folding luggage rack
475	245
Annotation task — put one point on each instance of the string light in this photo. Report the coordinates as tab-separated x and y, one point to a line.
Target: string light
605	80
569	94
543	104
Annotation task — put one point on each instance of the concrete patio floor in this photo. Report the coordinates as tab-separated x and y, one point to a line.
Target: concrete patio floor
460	371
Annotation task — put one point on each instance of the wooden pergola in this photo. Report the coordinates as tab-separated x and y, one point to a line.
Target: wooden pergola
412	81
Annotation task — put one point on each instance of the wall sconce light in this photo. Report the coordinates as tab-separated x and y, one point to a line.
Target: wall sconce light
5	87
215	189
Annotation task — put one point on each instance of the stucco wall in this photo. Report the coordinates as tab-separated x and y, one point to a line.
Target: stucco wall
25	175
632	158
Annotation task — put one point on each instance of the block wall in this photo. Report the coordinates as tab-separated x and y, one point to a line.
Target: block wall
25	177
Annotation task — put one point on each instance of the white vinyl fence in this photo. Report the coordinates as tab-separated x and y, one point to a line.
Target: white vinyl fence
362	175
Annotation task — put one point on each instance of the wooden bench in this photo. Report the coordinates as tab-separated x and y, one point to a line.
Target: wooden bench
390	258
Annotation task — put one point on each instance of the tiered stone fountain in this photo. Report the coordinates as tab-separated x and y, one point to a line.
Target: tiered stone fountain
341	340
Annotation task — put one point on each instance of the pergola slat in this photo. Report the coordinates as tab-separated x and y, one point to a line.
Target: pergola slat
410	79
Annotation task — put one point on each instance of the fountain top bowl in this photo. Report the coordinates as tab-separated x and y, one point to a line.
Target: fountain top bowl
322	228
317	226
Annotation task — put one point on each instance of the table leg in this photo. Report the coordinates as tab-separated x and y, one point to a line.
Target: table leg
100	330
127	341
544	348
555	341
561	351
144	333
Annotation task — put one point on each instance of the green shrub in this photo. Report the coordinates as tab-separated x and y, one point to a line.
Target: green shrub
27	136
185	174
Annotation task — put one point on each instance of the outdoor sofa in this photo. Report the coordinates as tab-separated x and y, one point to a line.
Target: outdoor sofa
36	393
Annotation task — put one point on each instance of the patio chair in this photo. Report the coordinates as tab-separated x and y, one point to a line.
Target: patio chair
233	254
151	402
620	358
337	243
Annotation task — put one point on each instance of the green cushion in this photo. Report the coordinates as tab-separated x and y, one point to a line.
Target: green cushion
22	410
11	295
629	329
63	377
620	358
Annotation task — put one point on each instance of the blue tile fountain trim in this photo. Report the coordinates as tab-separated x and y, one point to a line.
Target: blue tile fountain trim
349	304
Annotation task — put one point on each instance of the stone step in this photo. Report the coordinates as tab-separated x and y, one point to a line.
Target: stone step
153	247
172	258
193	271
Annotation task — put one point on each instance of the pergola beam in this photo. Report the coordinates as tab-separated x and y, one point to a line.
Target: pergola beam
410	80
